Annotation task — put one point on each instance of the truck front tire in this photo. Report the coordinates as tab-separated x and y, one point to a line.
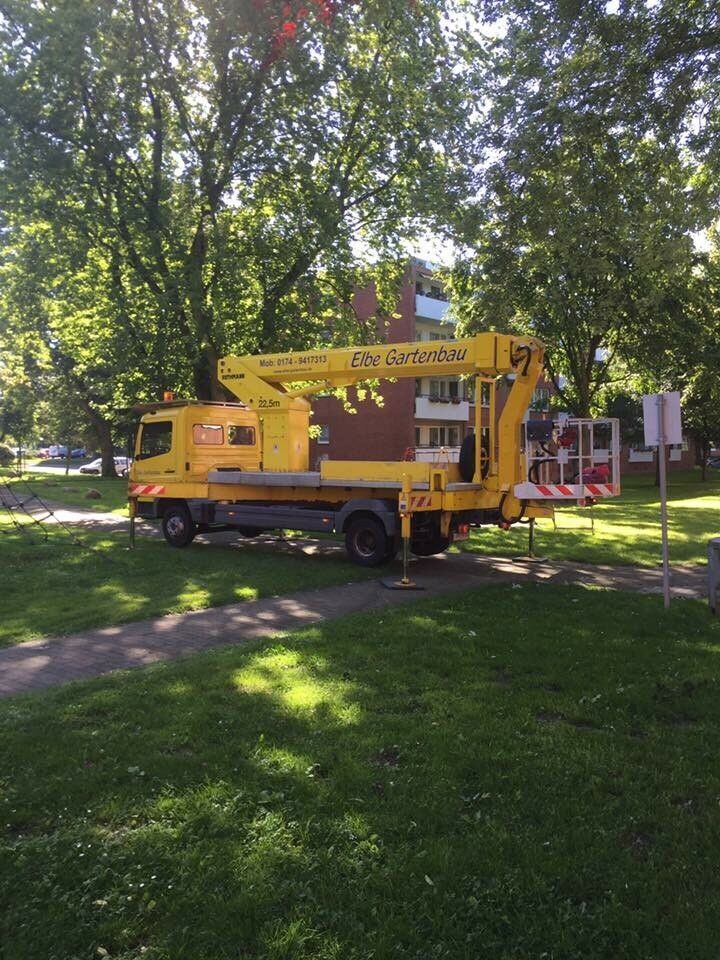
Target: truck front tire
367	543
178	527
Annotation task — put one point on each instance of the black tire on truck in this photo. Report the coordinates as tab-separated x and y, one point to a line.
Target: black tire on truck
367	543
428	548
177	526
467	458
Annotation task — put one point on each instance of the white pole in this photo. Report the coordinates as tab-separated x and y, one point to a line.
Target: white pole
663	499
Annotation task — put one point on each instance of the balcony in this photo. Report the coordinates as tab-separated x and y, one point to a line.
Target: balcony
437	455
430	308
444	408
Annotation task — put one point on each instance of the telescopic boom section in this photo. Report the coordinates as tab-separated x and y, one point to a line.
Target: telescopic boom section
284	413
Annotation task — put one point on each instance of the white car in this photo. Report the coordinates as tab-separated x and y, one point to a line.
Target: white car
122	466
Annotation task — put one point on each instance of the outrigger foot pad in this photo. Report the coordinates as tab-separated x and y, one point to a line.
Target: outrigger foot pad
400	585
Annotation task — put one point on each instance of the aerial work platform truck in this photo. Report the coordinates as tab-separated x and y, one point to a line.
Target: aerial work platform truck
207	466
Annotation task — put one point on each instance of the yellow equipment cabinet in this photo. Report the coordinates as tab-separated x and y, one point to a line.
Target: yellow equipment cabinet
245	465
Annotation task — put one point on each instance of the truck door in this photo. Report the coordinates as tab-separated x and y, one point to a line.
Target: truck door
156	451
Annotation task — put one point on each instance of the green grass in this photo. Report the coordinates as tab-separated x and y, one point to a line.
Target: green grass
71	491
627	528
57	587
508	774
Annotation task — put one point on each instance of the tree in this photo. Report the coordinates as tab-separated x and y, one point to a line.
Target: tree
221	162
580	227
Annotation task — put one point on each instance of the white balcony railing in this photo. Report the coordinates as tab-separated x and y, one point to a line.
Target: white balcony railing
438	455
426	408
429	308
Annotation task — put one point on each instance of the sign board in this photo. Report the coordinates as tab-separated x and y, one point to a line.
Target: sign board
670	430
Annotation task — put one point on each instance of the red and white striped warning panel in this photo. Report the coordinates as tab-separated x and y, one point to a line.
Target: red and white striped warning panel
146	490
417	503
564	491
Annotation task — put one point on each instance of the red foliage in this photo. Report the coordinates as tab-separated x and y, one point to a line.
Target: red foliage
285	24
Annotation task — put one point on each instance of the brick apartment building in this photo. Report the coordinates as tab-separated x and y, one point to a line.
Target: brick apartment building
425	415
429	415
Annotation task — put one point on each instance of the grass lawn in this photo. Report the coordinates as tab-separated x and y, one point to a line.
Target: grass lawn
57	587
510	773
71	490
627	528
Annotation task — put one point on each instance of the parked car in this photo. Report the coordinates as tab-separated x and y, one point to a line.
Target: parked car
78	453
122	466
57	450
714	462
43	453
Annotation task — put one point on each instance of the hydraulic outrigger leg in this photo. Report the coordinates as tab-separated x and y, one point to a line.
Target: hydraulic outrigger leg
405	583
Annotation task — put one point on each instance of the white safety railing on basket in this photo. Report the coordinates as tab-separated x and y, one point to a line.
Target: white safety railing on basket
570	459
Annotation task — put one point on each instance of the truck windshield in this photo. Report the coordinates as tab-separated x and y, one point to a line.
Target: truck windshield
156	439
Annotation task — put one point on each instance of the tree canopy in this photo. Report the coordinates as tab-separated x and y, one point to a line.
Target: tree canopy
580	227
181	178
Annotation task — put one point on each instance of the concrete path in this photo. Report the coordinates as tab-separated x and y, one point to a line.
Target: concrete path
50	662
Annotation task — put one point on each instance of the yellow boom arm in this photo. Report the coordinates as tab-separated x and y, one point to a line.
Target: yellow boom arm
284	413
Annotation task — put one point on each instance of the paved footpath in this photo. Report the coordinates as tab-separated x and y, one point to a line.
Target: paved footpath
50	662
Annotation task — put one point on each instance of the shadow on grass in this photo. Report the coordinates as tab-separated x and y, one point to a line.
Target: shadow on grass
58	588
627	529
504	773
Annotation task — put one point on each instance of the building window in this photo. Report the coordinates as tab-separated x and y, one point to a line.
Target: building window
324	435
452	437
419	287
241	436
485	394
417	436
540	399
453	389
435	437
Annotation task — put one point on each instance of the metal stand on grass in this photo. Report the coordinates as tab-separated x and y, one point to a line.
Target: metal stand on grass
405	583
530	556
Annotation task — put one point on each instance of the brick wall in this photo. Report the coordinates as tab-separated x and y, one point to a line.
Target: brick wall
373	433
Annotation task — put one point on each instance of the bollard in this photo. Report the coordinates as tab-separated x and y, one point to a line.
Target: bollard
714	574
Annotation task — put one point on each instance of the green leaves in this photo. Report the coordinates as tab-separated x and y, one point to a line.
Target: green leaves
219	167
582	222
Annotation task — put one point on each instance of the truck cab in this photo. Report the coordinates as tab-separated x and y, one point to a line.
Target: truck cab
182	441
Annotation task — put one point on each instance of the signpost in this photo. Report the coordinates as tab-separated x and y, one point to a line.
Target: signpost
663	425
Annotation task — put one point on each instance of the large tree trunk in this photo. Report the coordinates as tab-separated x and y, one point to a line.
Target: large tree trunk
207	385
103	434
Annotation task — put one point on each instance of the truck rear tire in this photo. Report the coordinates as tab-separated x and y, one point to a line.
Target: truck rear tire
367	543
429	548
178	527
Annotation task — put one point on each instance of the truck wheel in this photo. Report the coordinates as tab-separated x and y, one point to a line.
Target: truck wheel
178	527
366	542
428	548
467	458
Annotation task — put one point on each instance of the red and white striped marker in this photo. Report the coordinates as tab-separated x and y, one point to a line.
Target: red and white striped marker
564	491
146	489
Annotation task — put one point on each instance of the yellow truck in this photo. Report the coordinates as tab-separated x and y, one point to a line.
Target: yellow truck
203	466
